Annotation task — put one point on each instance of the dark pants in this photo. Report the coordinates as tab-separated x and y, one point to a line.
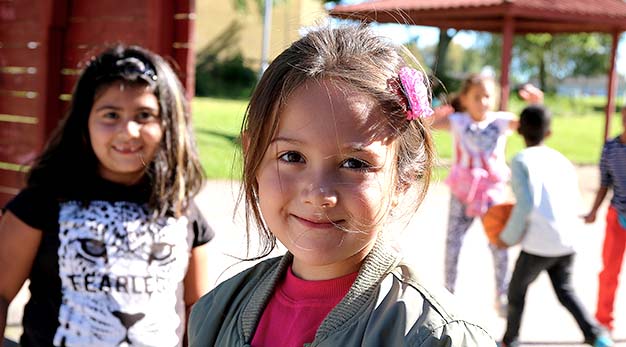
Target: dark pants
8	343
527	268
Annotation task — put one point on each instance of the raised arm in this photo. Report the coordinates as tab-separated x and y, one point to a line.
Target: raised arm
440	118
18	247
531	95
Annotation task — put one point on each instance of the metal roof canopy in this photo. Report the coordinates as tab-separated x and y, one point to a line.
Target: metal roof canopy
508	17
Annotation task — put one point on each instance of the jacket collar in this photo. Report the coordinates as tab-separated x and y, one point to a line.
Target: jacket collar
379	262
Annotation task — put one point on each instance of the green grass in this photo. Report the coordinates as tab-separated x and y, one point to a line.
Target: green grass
217	124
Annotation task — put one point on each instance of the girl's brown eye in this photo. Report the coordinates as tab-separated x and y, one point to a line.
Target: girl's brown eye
292	157
356	164
143	117
111	116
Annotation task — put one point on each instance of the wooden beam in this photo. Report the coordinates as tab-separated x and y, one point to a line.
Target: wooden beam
482	18
534	26
507	46
493	25
567	17
184	37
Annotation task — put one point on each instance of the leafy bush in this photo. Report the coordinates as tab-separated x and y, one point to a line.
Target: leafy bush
225	78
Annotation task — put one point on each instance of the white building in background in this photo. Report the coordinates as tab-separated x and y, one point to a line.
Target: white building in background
588	86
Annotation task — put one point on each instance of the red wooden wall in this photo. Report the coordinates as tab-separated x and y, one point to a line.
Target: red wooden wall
45	43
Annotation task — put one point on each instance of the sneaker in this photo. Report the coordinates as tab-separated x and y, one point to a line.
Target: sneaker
502	306
603	341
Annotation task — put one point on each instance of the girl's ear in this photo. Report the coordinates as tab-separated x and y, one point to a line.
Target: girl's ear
398	193
395	200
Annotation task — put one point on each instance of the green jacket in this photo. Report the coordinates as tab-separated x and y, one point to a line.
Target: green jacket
386	306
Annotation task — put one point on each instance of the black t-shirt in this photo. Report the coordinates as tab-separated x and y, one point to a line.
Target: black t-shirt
106	273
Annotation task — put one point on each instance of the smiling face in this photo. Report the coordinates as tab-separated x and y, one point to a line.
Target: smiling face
325	182
478	100
125	131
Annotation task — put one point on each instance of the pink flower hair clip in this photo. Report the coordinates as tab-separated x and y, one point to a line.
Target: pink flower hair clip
414	89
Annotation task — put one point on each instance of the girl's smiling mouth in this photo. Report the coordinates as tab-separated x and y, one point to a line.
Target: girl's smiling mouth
316	223
127	149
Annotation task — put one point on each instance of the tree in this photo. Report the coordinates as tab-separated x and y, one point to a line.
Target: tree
462	60
550	58
440	65
220	68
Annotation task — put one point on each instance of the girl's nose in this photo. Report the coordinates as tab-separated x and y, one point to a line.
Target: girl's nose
486	102
321	196
131	128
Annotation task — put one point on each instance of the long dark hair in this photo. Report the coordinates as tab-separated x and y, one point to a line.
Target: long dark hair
174	175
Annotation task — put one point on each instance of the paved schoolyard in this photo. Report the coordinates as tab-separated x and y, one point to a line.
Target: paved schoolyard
545	322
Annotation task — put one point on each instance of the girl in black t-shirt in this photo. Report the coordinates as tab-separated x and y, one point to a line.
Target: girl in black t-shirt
106	229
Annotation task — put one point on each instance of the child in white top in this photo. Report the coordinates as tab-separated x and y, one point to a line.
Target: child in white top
545	220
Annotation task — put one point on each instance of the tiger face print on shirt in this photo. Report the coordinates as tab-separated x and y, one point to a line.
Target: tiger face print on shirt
121	275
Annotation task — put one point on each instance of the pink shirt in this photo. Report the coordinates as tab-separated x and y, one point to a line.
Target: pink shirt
297	308
479	174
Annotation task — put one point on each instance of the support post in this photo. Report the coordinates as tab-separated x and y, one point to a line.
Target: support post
507	45
267	27
610	90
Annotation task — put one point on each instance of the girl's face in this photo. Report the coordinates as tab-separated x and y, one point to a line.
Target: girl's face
325	182
478	100
125	131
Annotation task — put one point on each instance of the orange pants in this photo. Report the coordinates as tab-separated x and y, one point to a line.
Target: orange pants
612	256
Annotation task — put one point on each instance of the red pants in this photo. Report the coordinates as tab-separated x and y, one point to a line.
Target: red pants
612	256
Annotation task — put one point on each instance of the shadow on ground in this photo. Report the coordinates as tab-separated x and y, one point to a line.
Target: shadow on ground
235	140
